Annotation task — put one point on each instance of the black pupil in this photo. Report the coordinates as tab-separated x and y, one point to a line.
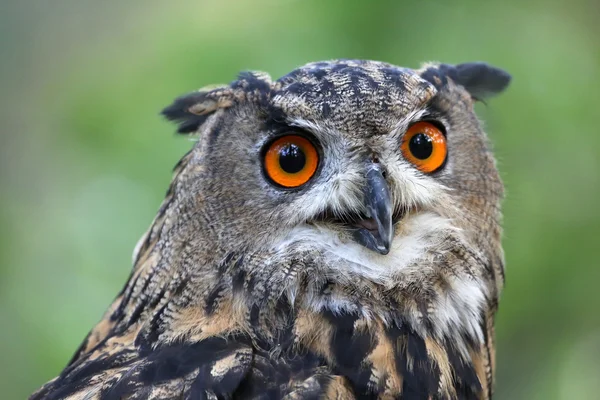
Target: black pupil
291	158
421	146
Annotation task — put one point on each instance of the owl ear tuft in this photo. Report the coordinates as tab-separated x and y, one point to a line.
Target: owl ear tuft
481	80
193	109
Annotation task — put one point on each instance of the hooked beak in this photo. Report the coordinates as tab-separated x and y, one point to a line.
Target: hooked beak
376	231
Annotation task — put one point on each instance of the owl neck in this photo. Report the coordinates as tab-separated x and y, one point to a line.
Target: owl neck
391	343
381	339
405	339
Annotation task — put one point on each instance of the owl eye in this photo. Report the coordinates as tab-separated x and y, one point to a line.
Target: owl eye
290	161
424	145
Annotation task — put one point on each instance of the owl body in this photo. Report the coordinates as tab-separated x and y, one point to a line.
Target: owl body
307	248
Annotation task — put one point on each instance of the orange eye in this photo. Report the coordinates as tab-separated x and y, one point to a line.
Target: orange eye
290	161
424	145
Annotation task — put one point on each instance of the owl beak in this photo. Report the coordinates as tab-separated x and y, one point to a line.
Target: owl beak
376	232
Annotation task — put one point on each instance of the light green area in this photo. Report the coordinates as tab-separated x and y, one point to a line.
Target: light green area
85	159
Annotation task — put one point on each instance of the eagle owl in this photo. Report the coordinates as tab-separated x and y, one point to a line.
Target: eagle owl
334	233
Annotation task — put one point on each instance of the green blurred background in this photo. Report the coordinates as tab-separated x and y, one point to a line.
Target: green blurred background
85	159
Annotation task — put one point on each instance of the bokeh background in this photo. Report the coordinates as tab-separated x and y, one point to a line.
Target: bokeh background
85	159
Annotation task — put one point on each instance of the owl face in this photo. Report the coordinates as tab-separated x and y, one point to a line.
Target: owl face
369	165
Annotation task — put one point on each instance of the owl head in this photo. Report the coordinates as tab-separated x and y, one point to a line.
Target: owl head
375	164
366	176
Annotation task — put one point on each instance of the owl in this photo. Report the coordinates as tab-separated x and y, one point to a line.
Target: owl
332	234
